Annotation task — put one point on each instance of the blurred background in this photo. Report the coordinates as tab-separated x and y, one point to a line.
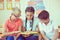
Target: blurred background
52	6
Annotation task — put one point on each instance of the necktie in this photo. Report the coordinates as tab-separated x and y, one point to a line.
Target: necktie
31	25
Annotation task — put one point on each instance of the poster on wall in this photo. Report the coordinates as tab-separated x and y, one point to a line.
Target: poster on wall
1	4
37	4
9	4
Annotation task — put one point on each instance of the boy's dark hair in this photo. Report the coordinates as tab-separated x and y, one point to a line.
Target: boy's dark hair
43	15
30	9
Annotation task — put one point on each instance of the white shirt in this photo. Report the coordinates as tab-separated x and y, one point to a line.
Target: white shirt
35	23
28	25
48	29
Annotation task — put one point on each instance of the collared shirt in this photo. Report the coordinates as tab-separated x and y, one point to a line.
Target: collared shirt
35	23
28	25
48	29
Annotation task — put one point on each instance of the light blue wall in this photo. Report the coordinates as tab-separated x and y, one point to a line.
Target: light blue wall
53	6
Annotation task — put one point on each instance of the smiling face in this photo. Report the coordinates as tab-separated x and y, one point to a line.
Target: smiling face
13	18
29	15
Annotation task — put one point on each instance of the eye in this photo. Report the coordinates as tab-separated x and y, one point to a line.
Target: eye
27	15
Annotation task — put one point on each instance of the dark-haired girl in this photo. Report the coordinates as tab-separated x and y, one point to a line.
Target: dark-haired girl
30	24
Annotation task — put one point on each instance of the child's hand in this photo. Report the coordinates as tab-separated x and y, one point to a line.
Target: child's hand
17	36
0	37
26	35
16	32
47	39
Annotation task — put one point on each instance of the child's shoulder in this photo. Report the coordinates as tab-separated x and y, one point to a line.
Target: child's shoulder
19	20
7	21
52	22
23	18
36	19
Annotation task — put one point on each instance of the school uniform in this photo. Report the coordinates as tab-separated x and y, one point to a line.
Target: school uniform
48	29
29	27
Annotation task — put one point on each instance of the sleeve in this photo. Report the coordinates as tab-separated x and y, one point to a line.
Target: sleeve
40	28
35	25
20	22
6	25
19	25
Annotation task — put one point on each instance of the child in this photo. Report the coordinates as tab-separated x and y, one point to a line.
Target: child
30	24
14	23
47	27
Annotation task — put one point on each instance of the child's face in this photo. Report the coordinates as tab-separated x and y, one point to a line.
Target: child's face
17	13
29	15
13	17
44	21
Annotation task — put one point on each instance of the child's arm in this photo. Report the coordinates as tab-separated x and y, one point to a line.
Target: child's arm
56	35
20	29
44	36
41	34
55	27
5	31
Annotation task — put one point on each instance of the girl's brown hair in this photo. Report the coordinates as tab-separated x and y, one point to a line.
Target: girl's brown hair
29	9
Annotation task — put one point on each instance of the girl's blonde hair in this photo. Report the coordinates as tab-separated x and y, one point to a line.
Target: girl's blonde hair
16	12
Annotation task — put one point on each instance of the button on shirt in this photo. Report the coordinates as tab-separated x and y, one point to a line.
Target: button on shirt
35	23
28	25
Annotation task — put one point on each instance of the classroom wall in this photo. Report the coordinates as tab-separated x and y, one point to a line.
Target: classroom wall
4	14
51	5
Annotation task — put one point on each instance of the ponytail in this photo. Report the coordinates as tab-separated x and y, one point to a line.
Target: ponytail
31	24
